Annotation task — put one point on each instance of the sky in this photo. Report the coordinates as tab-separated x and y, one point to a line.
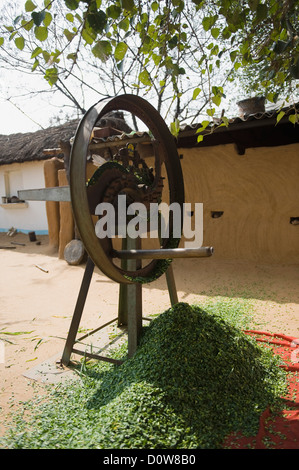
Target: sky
25	114
14	120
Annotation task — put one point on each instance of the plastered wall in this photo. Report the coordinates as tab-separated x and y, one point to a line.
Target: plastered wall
258	193
23	217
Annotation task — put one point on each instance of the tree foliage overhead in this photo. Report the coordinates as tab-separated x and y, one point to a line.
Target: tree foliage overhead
170	47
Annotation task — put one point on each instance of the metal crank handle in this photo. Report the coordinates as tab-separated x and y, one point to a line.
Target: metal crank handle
164	253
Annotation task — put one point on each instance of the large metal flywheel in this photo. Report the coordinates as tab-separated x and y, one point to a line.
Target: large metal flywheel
126	173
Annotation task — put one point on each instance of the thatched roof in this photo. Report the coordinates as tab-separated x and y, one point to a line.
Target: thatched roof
19	148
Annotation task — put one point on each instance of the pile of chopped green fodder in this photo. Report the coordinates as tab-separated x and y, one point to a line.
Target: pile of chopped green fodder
194	380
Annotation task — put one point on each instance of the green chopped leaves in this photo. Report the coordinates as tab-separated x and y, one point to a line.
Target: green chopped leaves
194	379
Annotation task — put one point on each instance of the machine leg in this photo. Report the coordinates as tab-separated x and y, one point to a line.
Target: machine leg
171	286
122	302
130	300
71	338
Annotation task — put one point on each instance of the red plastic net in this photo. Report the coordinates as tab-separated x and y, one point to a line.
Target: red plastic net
278	429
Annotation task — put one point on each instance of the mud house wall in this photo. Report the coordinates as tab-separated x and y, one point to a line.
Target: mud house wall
24	217
258	193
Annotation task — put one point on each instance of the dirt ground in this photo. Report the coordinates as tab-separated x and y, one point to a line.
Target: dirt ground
38	293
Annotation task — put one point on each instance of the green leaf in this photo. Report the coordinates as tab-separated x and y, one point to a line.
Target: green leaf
261	12
38	50
36	63
120	51
233	55
216	100
13	34
155	6
41	33
29	6
27	25
102	50
38	17
172	43
124	24
88	35
51	76
97	21
1	41
204	125
113	11
120	65
156	58
215	32
48	4
72	56
272	97
128	4
208	22
48	18
69	35
226	33
70	17
280	116
46	56
253	4
20	43
196	92
17	19
144	77
16	333
294	119
175	127
72	4
225	121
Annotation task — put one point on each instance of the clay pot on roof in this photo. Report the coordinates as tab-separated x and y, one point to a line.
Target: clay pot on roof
252	106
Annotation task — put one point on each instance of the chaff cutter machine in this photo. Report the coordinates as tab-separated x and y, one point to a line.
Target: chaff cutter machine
123	171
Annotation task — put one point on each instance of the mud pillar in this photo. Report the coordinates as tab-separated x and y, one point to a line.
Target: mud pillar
51	168
67	230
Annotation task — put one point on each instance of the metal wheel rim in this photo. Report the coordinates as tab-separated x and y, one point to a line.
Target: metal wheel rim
146	113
